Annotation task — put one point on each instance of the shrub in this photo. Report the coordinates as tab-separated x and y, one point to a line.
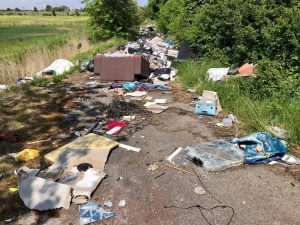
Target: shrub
237	31
110	18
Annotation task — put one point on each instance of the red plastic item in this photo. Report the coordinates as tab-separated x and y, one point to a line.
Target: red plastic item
246	69
5	137
116	123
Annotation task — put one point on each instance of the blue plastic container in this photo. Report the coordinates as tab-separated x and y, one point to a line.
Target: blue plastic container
206	108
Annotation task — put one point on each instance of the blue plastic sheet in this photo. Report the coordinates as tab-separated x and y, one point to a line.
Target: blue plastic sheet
92	212
130	86
272	148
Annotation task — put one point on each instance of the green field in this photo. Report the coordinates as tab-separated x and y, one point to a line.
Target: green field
20	35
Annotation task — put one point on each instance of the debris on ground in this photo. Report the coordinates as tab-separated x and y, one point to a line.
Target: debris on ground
208	104
108	114
9	138
3	87
122	203
153	167
278	132
290	159
261	148
58	67
26	155
118	109
108	203
199	191
91	212
40	194
215	155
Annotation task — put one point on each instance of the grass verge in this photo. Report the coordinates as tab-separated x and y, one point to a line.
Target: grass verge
256	115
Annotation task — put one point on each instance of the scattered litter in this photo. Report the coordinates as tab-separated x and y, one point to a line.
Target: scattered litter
91	148
156	108
153	167
227	122
9	138
190	90
128	118
160	101
27	154
174	154
117	125
108	203
246	69
208	104
2	87
117	109
129	148
38	142
122	203
13	189
233	118
40	194
278	132
91	212
273	163
290	159
148	99
130	86
216	155
24	80
84	188
10	220
92	84
160	175
136	94
199	191
261	148
2	175
216	74
58	67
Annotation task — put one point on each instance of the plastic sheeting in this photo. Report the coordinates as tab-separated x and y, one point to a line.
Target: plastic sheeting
58	67
216	155
261	148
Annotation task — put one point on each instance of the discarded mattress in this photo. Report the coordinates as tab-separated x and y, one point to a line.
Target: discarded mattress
216	155
40	194
58	67
261	148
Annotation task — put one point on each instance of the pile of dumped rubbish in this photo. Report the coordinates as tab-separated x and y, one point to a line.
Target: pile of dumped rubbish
76	169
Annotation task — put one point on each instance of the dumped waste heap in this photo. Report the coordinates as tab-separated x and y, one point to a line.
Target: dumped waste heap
118	108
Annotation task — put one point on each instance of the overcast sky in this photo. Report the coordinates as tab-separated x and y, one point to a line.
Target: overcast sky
29	4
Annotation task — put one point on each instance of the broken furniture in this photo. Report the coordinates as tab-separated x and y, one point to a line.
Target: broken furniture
125	68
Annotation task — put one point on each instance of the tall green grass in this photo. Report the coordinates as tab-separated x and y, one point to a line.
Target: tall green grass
256	115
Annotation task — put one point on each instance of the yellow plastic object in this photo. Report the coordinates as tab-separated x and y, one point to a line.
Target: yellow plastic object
27	154
13	189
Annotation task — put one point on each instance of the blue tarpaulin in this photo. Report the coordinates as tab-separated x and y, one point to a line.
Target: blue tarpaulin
261	148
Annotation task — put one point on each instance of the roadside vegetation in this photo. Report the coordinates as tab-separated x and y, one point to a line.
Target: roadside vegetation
29	44
225	32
